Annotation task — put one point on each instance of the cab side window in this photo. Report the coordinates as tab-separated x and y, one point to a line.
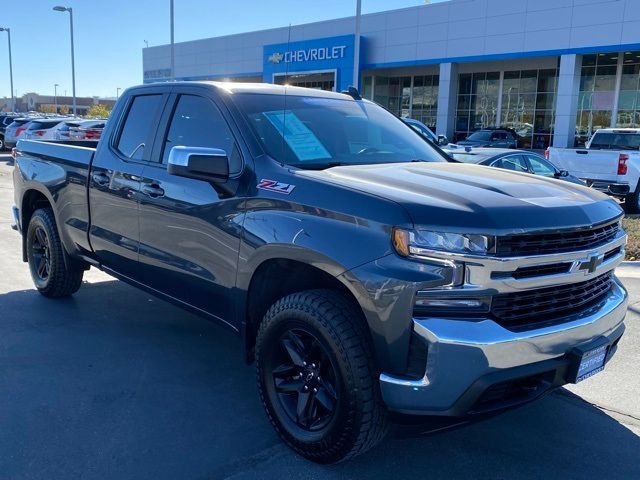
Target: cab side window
138	125
197	122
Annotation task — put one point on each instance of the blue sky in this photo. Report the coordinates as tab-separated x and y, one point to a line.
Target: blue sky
110	34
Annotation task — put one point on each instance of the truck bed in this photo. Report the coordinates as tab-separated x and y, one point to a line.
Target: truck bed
70	152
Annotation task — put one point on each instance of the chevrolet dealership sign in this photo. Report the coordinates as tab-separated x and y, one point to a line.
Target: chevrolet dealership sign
309	54
329	54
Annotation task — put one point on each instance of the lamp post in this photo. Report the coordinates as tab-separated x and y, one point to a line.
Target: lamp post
13	98
173	56
356	46
73	60
55	96
118	92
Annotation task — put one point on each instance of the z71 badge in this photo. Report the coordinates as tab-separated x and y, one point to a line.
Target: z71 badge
273	186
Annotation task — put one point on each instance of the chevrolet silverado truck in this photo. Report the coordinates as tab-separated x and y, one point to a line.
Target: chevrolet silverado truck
609	162
368	275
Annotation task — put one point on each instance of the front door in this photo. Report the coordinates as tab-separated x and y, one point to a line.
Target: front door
115	181
190	233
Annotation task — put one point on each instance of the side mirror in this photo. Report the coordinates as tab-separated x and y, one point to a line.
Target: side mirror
563	173
210	164
443	140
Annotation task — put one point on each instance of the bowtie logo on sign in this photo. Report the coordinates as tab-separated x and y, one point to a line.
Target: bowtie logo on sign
309	54
275	58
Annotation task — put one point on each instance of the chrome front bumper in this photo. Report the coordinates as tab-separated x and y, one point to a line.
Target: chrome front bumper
464	355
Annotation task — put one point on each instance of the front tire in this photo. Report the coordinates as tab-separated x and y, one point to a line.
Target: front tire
46	256
317	377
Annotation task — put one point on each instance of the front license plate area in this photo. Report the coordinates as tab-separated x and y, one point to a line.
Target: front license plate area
587	361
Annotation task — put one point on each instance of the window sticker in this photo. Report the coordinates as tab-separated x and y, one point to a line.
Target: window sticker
300	139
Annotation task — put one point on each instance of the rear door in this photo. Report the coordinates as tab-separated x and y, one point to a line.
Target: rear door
190	233
115	180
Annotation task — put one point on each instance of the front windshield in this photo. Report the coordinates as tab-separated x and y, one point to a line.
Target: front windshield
481	136
322	132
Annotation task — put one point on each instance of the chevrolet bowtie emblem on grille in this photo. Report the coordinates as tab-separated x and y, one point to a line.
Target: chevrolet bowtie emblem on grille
591	265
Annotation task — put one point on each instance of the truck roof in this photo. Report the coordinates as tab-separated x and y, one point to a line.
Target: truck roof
263	88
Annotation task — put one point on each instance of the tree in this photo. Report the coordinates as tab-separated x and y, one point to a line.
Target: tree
98	111
47	109
63	109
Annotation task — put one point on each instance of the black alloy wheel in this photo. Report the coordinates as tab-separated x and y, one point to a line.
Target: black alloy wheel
304	380
41	257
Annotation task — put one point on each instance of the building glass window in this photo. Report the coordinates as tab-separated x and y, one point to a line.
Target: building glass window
408	97
477	102
528	106
629	98
424	105
597	94
367	90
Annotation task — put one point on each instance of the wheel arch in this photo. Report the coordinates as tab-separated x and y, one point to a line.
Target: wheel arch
275	276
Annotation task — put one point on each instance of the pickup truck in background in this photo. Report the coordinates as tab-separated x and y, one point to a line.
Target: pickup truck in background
610	162
369	277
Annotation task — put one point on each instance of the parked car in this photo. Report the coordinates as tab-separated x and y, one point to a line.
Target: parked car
365	272
426	132
491	137
87	130
43	129
5	120
609	162
514	160
64	132
14	131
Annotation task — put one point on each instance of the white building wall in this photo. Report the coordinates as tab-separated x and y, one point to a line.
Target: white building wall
451	31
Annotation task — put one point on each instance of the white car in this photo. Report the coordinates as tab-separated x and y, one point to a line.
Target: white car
610	162
43	129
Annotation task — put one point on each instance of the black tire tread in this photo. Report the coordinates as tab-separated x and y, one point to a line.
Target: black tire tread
344	323
63	281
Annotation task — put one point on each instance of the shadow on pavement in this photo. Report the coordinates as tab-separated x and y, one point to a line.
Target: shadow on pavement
116	384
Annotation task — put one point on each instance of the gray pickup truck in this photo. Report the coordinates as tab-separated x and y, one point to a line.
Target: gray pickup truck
370	277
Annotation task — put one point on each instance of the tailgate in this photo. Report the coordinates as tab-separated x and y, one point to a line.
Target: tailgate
594	164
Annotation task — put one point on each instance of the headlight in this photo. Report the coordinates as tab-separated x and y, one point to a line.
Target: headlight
419	243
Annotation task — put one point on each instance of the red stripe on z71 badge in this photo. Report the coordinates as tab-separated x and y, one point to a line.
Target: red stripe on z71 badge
279	187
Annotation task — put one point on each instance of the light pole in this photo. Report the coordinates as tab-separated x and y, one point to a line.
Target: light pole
73	59
118	92
173	57
146	43
55	95
13	98
356	46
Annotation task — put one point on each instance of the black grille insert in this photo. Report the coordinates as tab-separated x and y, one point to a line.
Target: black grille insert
522	310
549	243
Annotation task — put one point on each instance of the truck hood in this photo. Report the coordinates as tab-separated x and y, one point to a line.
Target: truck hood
473	198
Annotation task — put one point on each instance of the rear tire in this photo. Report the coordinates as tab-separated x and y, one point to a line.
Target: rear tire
46	256
317	377
632	202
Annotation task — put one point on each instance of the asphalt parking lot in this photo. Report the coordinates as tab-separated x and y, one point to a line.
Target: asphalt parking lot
116	384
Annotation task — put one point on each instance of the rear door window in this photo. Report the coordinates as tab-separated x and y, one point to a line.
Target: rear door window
138	126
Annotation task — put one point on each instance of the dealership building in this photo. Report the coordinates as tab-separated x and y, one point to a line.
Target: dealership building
554	70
